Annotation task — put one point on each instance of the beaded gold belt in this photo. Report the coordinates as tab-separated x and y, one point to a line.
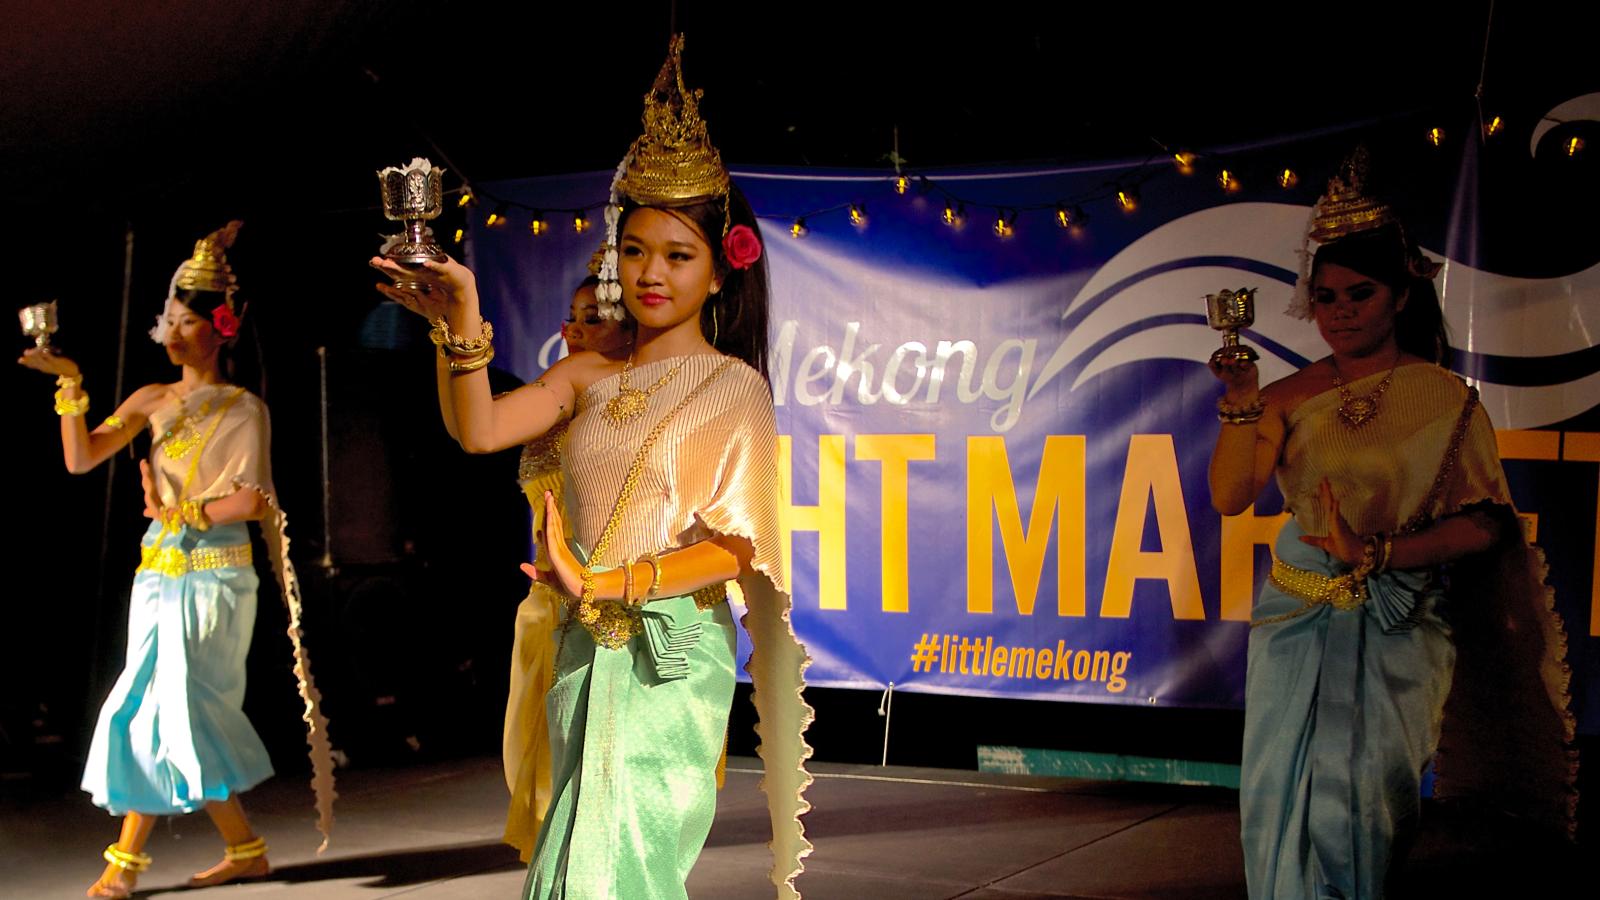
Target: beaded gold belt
617	623
173	562
1313	589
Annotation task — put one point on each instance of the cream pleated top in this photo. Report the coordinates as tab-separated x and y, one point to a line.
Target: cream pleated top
713	471
232	449
1383	471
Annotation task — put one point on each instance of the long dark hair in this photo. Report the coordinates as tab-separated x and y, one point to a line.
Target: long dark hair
239	357
735	318
1386	256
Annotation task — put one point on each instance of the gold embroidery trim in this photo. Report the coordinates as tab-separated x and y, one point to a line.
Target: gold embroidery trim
175	563
616	623
1313	589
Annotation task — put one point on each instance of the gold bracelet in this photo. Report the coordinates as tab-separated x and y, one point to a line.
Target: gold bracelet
655	573
627	582
473	364
443	338
194	515
69	381
75	406
1240	415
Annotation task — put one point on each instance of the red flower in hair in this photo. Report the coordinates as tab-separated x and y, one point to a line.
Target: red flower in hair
223	319
741	247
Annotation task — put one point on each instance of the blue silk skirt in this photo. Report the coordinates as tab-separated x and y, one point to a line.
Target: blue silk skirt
1342	712
171	736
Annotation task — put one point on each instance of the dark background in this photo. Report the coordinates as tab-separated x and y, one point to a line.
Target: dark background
128	131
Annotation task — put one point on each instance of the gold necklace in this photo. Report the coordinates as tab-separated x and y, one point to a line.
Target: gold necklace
183	435
630	403
1357	411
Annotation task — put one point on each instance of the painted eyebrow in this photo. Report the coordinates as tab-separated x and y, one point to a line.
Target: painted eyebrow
674	245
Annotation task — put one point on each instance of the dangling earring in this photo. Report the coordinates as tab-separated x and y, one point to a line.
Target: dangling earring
713	328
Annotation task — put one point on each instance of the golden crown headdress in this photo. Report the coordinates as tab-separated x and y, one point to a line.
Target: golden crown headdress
1346	209
206	269
671	164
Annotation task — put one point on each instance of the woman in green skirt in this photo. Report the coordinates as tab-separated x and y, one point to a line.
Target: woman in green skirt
670	485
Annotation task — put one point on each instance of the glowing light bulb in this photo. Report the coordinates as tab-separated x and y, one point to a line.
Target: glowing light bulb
539	225
498	217
1063	217
580	223
1495	126
1436	136
460	233
858	215
1128	199
1229	181
1288	179
1184	160
798	229
467	199
902	183
1575	146
1003	227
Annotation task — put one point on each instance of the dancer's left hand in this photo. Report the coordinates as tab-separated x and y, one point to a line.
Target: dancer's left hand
1341	542
566	573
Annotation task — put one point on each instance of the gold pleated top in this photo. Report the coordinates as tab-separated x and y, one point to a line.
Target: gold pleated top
1383	471
714	471
234	455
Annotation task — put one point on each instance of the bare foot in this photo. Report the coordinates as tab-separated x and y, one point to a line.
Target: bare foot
115	882
231	870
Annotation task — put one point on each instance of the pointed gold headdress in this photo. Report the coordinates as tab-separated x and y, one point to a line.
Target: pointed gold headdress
1346	209
206	269
671	164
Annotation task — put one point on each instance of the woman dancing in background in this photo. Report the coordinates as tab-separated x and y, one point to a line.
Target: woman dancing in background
1402	571
172	737
670	481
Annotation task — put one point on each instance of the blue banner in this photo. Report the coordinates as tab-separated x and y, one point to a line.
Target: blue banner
997	419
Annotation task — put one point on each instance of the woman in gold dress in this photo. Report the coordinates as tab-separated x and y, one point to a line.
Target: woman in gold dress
1402	572
525	750
671	490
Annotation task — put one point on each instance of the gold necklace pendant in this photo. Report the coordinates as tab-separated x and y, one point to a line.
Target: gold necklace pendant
1358	411
630	403
183	435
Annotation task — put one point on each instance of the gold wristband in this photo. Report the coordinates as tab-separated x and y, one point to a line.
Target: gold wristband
194	515
459	366
655	573
627	582
75	406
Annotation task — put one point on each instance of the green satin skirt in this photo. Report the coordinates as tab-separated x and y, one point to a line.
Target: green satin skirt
635	736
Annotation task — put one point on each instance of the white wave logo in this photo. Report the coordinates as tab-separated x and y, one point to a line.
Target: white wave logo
1147	303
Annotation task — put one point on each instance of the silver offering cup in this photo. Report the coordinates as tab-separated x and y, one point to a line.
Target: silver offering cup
39	322
1228	311
412	195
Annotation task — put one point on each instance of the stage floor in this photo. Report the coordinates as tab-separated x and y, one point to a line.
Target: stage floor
430	832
